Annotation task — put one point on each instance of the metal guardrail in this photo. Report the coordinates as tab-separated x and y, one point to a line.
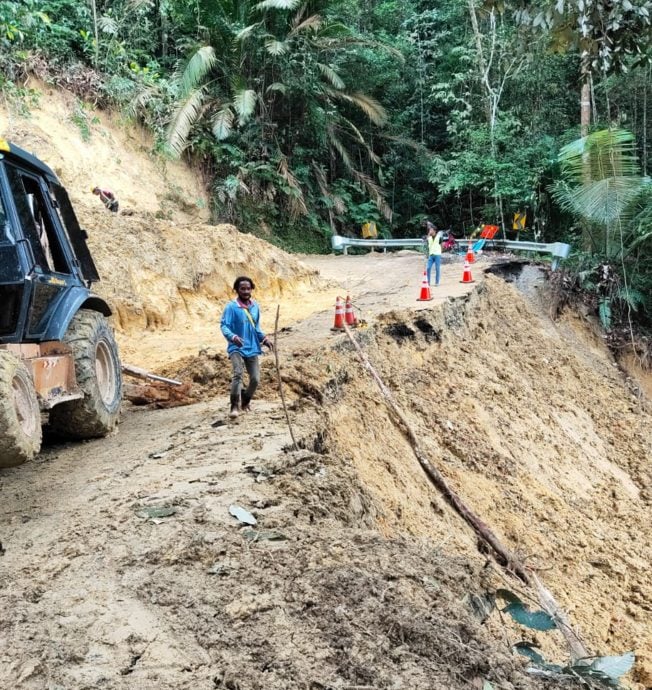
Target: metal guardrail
558	250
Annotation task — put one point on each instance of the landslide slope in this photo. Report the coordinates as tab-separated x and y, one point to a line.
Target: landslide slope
535	426
165	271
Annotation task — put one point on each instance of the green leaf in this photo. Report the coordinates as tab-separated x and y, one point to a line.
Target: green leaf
199	65
530	651
277	86
331	75
244	102
185	116
243	34
592	674
605	313
276	47
278	5
614	666
536	620
223	123
370	106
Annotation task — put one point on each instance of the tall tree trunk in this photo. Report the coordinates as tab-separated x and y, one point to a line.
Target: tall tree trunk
585	121
585	105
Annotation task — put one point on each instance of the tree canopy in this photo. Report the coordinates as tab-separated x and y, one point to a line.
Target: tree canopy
310	117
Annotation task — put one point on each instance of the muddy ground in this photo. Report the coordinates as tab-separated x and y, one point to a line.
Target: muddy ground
122	566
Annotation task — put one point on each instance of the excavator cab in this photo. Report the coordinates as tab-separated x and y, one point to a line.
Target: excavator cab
58	354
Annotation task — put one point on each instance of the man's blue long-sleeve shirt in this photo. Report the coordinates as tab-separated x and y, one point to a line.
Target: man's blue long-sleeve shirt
236	322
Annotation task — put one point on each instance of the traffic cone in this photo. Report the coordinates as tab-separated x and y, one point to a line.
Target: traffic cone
349	314
466	276
424	295
470	256
339	315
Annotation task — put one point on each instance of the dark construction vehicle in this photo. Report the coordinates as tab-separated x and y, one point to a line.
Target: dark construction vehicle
57	350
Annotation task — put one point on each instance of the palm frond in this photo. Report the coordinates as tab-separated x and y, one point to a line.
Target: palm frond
331	76
223	123
632	297
312	23
274	47
278	5
296	200
601	154
245	33
277	86
185	116
361	140
406	141
337	144
375	191
335	200
141	99
602	201
199	65
244	102
108	25
370	106
330	40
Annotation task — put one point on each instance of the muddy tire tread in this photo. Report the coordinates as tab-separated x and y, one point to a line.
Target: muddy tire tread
15	446
88	417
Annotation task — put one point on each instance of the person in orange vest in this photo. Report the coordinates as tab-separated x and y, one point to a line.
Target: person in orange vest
107	197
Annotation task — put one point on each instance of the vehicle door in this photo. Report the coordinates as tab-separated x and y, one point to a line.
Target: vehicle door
51	275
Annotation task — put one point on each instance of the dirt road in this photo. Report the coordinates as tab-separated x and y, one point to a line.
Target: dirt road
123	566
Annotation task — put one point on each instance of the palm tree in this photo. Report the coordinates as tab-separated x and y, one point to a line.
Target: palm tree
600	182
280	74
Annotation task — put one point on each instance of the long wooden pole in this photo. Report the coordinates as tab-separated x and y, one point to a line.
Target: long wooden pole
280	381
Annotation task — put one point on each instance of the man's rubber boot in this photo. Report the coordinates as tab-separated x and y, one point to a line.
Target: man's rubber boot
244	402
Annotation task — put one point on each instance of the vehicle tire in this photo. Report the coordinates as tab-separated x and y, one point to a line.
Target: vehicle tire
97	368
20	415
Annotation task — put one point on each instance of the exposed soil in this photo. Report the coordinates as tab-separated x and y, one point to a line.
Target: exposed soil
122	566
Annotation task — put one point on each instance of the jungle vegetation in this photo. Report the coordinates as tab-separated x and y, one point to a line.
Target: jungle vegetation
309	117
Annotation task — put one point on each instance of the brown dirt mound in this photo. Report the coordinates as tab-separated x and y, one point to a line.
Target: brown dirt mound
536	427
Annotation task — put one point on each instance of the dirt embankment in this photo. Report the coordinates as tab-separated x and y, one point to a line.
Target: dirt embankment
166	273
536	427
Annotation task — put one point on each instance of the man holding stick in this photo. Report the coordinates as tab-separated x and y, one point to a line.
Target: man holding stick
240	325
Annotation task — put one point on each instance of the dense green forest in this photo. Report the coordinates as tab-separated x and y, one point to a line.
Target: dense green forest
309	118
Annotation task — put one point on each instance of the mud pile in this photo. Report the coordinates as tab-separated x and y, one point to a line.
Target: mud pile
538	430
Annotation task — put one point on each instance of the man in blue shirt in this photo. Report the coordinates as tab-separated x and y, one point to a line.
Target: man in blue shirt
240	325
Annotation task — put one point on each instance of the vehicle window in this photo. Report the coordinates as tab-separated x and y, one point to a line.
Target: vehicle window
4	223
36	222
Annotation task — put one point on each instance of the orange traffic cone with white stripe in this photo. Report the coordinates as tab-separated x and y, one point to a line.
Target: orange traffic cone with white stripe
466	276
470	256
338	325
349	314
424	295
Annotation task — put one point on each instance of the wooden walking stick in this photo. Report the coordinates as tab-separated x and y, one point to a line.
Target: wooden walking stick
280	381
